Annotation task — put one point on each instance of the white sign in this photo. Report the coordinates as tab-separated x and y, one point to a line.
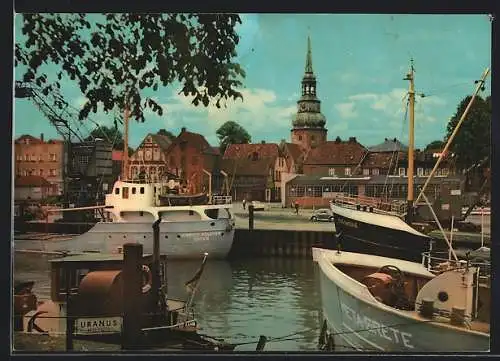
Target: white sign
445	207
91	326
455	192
363	323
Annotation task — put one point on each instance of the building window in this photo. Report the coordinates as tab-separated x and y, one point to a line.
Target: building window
401	172
41	172
133	190
142	190
331	172
312	138
53	172
366	171
420	172
52	157
317	191
26	157
117	190
140	155
33	157
300	137
148	155
156	154
348	171
445	172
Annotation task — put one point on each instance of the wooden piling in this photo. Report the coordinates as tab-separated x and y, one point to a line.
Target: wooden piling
132	293
250	216
70	321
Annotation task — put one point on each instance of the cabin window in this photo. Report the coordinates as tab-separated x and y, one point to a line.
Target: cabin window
154	189
125	193
348	171
401	172
191	212
133	190
366	171
117	190
142	190
331	172
141	213
420	172
375	171
212	213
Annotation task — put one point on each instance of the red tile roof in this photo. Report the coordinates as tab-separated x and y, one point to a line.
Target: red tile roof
31	181
248	167
380	160
32	139
294	151
234	151
336	153
193	139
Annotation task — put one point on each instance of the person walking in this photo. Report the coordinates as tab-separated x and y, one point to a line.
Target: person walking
244	203
296	207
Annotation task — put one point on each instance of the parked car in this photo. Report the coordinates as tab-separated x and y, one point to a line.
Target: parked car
258	206
322	214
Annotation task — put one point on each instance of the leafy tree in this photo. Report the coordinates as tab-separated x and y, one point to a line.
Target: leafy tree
472	142
166	133
436	144
232	133
114	57
111	134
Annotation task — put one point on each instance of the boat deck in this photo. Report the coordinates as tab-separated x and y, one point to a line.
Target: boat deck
478	326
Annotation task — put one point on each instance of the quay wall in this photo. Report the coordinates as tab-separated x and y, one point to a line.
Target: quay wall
263	242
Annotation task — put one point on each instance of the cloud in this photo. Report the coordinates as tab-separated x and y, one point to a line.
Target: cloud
260	111
346	110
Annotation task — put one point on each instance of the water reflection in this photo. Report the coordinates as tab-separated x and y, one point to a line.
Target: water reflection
237	301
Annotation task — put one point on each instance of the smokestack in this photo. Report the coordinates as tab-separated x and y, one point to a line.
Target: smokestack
41	137
183	129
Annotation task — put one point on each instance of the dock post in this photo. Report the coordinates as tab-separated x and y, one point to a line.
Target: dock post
250	217
156	282
132	310
69	314
262	343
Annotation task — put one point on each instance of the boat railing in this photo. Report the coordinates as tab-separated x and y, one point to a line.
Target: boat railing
439	261
374	204
222	199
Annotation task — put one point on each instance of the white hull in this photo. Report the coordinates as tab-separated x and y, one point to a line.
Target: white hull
357	321
177	239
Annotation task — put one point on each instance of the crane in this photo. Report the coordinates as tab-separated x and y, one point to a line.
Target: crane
83	173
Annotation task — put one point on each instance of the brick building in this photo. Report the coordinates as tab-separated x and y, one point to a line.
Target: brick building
335	158
36	157
189	156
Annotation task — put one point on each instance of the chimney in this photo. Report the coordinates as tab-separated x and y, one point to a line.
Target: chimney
395	140
352	139
386	139
41	137
338	140
262	142
183	129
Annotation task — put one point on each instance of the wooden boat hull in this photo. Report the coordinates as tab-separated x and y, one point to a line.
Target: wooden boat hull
357	322
358	233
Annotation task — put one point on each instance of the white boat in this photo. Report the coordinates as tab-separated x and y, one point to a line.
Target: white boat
132	207
379	304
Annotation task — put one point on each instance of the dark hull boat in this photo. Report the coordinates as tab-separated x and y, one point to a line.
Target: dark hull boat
183	199
378	234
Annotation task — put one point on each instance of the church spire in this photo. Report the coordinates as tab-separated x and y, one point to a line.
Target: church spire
309	62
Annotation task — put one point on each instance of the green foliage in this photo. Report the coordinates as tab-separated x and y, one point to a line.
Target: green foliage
114	58
232	133
166	133
113	135
436	144
472	142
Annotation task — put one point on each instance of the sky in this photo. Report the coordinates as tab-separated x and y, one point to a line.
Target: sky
359	62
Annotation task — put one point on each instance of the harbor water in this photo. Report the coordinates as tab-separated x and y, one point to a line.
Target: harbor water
237	301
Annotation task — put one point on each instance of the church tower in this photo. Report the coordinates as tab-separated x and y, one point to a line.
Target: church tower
308	124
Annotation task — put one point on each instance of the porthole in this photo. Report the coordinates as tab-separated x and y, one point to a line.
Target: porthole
443	296
166	236
178	236
144	236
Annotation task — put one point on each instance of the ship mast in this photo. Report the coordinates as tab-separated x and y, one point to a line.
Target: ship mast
411	139
125	144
